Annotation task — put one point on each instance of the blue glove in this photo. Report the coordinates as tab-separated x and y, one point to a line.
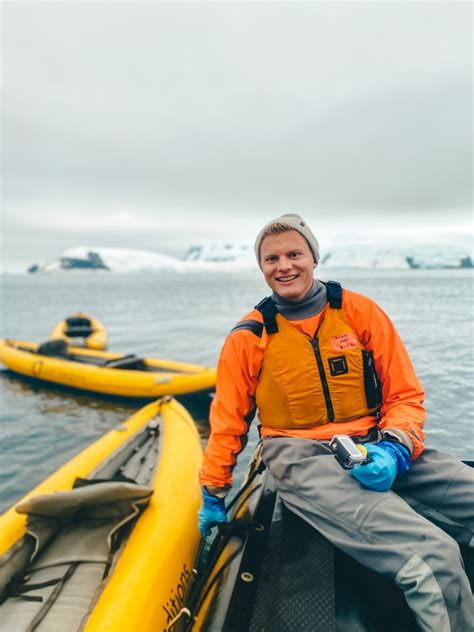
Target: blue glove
387	459
212	511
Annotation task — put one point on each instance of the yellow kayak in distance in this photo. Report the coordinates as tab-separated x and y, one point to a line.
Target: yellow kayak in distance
106	544
104	371
80	329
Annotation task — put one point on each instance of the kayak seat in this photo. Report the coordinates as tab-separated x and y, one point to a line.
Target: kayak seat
53	349
78	332
131	362
75	535
78	327
78	321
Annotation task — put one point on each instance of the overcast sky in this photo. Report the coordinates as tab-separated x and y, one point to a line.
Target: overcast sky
159	125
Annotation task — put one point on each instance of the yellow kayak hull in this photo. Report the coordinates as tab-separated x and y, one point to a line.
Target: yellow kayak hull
96	340
155	565
162	377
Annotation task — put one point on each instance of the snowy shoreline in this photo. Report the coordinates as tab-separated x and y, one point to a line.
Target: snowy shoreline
234	257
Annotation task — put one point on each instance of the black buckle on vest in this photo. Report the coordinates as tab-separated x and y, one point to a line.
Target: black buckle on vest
334	294
338	365
268	310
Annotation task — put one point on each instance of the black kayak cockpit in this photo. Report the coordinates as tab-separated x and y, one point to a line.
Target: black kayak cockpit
53	349
59	349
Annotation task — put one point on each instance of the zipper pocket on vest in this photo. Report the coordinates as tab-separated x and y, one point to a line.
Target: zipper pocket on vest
324	382
373	393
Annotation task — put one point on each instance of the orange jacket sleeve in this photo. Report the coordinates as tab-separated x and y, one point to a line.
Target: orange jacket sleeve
403	414
233	407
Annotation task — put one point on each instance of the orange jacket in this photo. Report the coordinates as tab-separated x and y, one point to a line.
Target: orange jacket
238	373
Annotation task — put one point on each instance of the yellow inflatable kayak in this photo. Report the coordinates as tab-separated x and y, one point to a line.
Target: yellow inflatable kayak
80	329
107	542
104	371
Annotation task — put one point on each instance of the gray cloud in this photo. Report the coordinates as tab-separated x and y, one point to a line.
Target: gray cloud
157	124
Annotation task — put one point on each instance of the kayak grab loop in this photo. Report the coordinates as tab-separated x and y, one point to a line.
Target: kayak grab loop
184	612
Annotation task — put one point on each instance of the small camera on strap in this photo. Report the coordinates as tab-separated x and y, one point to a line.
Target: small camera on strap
348	453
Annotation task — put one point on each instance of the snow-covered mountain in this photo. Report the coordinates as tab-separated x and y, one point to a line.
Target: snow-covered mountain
212	257
229	257
109	259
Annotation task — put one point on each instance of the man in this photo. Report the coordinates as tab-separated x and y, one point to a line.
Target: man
317	361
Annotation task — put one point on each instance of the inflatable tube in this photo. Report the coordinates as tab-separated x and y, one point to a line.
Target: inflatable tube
103	371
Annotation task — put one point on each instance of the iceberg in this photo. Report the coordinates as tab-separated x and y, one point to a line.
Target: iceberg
431	257
233	256
109	259
364	257
221	256
230	257
213	257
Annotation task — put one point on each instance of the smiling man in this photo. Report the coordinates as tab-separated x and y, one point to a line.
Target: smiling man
318	361
287	262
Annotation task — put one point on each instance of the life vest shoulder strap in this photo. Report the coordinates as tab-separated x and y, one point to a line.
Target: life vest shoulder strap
334	294
268	310
254	326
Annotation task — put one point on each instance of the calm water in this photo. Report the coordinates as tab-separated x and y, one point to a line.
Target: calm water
186	317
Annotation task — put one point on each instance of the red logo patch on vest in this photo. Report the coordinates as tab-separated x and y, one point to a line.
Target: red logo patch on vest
344	341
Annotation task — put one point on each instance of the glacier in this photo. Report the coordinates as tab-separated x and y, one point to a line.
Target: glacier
228	256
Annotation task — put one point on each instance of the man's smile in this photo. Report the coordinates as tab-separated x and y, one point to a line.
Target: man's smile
284	279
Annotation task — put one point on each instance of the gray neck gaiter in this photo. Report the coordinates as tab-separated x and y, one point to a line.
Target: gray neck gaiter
310	305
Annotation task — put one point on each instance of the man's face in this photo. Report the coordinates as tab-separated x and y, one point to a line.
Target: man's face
287	264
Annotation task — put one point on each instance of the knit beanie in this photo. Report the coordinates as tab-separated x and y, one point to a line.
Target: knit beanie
294	222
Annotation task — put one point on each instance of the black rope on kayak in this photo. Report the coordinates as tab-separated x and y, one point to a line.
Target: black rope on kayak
18	589
40	615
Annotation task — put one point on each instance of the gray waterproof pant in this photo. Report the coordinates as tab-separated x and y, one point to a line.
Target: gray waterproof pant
382	530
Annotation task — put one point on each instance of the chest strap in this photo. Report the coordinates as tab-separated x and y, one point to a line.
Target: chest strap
268	310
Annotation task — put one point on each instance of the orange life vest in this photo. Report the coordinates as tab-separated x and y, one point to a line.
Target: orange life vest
311	381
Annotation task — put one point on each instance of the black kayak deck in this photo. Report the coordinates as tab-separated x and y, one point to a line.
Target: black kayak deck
269	571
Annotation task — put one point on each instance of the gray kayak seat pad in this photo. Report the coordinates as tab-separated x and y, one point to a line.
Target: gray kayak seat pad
59	570
101	507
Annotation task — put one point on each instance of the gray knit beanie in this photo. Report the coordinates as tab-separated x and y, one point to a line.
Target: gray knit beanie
294	222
